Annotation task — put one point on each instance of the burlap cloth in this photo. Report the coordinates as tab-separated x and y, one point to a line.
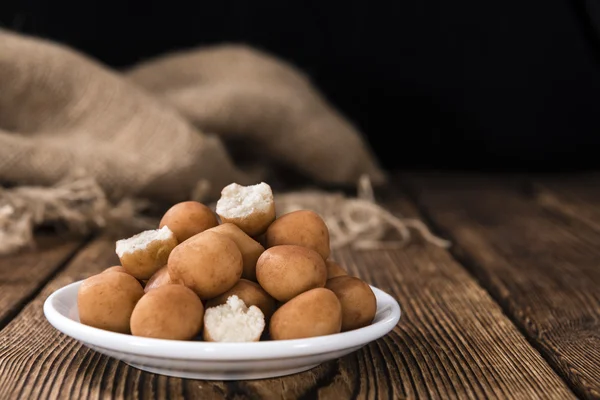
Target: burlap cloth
78	139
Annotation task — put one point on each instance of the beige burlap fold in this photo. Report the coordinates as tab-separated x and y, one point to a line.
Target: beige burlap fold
155	132
145	134
61	112
242	93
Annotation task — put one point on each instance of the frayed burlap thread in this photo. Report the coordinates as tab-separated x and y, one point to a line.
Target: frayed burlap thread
77	205
357	222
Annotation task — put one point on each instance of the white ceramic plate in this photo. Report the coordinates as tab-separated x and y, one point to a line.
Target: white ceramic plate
217	361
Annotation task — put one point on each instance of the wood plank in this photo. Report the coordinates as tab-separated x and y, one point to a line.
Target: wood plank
23	274
536	248
453	342
575	197
37	361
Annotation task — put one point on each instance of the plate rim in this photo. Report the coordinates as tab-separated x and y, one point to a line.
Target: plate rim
220	351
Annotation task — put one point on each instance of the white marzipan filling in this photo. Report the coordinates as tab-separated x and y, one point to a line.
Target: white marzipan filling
239	201
142	240
234	322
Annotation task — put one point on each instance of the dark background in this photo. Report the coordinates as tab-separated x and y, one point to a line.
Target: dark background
508	84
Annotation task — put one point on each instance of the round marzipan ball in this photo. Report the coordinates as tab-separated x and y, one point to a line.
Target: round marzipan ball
334	269
249	247
188	218
160	278
251	294
168	312
358	301
286	271
209	263
314	313
302	228
106	301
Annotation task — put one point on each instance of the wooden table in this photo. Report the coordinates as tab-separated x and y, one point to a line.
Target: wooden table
511	311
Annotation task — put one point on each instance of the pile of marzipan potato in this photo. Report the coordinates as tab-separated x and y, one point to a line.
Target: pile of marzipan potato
240	275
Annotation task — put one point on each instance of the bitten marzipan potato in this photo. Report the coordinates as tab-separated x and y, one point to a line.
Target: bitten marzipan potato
168	312
106	301
145	253
314	313
160	278
233	322
209	263
251	208
249	247
302	228
358	301
188	218
334	269
286	271
251	294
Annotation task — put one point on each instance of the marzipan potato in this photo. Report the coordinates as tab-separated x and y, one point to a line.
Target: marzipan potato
209	263
288	270
301	228
317	312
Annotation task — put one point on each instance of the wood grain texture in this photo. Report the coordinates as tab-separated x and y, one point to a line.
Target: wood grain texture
23	274
453	342
536	247
36	361
574	198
